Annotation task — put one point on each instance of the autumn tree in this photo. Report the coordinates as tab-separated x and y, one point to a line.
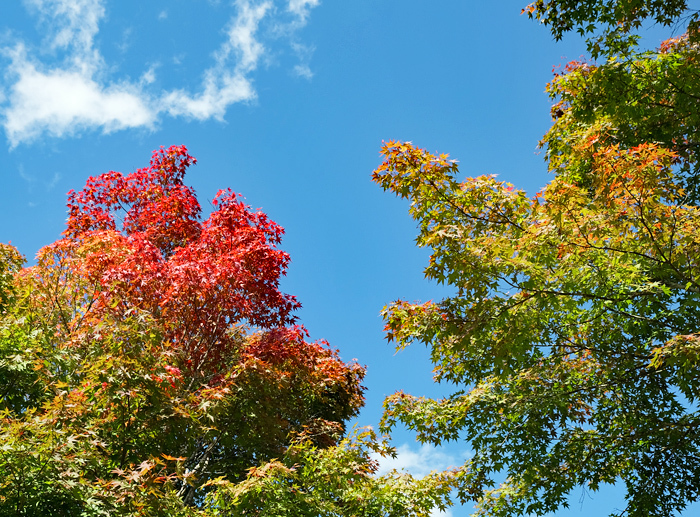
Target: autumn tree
150	352
630	95
572	335
151	366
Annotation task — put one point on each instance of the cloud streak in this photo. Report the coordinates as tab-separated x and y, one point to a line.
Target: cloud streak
66	90
419	462
224	85
302	8
71	24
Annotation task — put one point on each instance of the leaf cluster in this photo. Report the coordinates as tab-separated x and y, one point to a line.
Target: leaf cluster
341	480
608	25
572	335
149	353
645	97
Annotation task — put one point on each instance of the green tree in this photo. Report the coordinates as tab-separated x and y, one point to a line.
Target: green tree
628	100
150	366
609	26
337	481
572	335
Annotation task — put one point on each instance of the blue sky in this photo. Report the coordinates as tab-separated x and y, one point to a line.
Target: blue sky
287	102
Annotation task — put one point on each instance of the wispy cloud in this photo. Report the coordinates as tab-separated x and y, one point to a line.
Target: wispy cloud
67	88
419	461
303	53
224	84
31	180
126	39
302	8
303	71
71	24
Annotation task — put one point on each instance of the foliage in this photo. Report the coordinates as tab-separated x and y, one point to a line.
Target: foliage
572	336
608	25
330	482
10	262
644	97
195	278
149	352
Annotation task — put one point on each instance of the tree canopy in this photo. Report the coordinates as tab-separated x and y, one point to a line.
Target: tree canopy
150	364
609	26
572	336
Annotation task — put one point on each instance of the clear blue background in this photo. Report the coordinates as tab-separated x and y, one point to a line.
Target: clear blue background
457	77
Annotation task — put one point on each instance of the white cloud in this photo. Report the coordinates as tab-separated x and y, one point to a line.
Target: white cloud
219	92
224	85
303	71
301	8
66	87
72	25
149	76
241	34
418	462
61	102
66	98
